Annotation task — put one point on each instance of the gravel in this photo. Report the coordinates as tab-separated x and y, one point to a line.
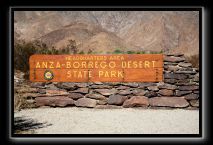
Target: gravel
73	120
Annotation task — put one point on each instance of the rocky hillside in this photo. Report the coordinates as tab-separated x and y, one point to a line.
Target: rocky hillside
106	31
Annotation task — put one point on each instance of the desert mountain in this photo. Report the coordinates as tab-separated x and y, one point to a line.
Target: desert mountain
106	31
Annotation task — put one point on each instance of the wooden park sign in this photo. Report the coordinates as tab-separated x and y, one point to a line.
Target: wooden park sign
96	68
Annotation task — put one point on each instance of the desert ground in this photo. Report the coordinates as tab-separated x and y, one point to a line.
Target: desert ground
73	120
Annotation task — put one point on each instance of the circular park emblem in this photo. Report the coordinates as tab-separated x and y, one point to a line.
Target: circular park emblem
48	75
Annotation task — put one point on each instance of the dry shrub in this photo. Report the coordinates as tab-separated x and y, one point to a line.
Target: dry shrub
194	60
23	51
20	102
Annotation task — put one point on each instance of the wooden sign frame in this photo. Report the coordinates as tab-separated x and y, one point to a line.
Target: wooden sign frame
96	68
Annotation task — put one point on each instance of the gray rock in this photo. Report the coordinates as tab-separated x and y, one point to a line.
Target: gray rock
102	102
186	84
133	85
106	92
153	88
48	83
196	77
151	94
186	72
125	92
138	92
136	101
38	85
86	102
170	63
113	83
82	85
60	101
100	87
184	81
95	96
181	93
81	90
41	91
30	101
194	103
144	85
191	96
196	69
186	69
173	68
116	99
190	76
51	87
184	64
165	67
175	76
167	86
173	59
75	96
122	87
170	81
97	83
67	86
166	92
196	92
30	95
55	93
25	89
168	102
189	88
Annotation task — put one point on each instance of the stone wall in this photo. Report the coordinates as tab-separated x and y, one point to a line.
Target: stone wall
180	89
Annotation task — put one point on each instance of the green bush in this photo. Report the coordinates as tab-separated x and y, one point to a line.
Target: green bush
161	52
156	52
143	52
152	52
89	51
23	51
71	47
140	52
81	52
117	51
131	52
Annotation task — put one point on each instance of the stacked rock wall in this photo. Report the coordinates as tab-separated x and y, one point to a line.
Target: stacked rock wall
180	89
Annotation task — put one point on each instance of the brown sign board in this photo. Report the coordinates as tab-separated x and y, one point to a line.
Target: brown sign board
96	68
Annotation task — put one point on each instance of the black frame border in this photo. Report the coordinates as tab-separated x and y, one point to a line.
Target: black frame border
13	136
